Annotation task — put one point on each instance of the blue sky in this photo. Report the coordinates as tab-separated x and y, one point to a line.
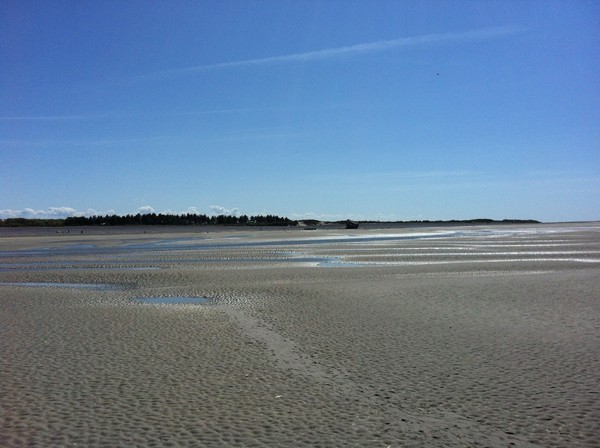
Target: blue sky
389	110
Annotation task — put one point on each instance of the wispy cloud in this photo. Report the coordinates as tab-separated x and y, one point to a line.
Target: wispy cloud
52	117
35	143
351	50
259	133
145	209
144	115
526	181
388	177
219	210
64	212
49	213
123	115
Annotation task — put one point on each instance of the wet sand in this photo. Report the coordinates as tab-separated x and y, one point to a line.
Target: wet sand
479	336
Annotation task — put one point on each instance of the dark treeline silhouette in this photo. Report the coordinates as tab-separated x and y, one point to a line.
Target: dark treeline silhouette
178	220
31	222
243	220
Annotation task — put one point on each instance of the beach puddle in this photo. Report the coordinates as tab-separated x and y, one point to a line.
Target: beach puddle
174	300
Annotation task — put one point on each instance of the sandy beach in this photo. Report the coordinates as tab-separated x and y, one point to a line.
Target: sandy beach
422	337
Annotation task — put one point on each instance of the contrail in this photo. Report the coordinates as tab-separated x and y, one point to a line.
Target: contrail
126	115
370	47
53	117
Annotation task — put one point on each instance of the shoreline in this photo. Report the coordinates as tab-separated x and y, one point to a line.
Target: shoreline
200	229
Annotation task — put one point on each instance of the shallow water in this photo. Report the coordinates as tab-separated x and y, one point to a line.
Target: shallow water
188	244
100	286
174	300
53	265
329	251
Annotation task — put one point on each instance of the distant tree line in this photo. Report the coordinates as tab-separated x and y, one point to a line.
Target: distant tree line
31	222
178	220
201	219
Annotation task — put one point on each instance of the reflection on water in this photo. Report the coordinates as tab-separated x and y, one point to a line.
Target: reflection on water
174	300
182	244
54	265
188	244
99	286
327	251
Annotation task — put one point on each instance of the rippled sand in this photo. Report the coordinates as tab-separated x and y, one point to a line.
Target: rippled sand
465	337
